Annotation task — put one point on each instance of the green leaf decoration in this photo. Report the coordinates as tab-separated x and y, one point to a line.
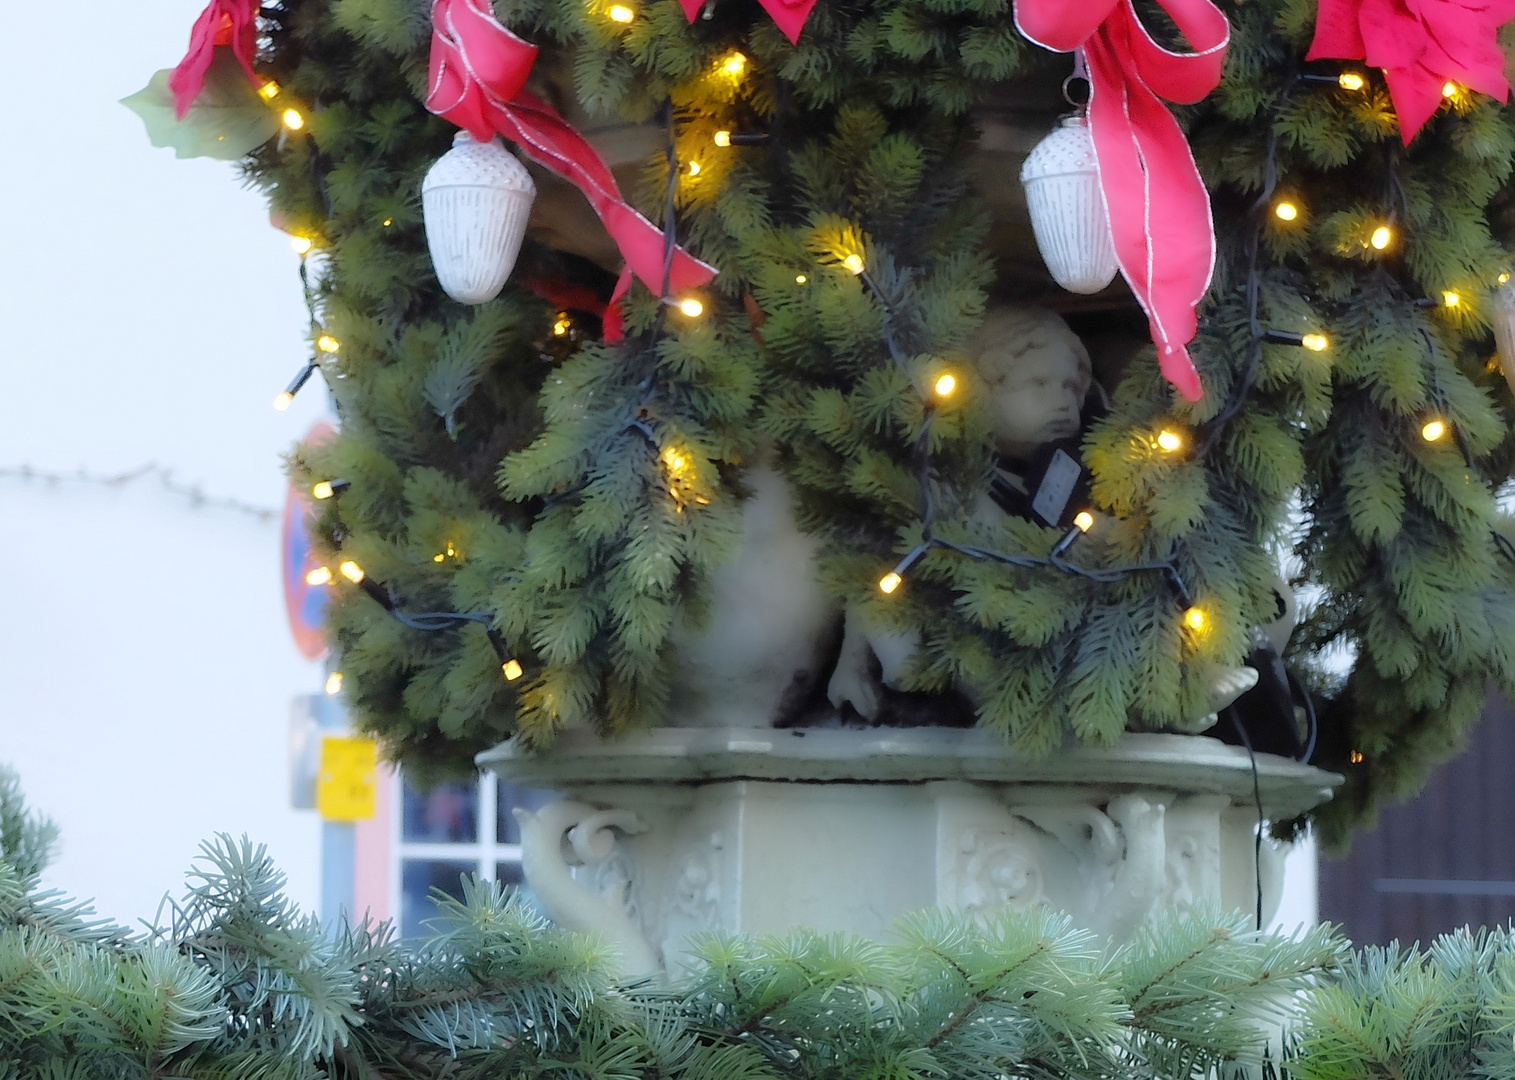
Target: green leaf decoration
225	122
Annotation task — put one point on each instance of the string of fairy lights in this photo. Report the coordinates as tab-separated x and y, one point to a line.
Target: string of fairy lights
674	460
1169	437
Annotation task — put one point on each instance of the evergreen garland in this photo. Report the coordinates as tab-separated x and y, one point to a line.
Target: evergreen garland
574	496
238	983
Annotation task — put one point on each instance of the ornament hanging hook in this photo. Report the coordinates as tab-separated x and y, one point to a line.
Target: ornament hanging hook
1080	74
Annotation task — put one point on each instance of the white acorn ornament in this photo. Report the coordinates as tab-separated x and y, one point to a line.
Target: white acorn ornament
1067	205
1504	329
476	200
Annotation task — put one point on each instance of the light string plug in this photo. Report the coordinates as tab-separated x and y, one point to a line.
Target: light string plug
286	397
1315	342
724	138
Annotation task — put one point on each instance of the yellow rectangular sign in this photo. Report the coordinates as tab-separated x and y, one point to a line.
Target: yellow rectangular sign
346	785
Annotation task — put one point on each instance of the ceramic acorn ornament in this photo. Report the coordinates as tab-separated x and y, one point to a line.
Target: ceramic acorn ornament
1067	206
1504	329
476	200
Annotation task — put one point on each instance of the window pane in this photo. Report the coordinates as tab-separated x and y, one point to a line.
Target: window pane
508	873
506	829
447	814
417	878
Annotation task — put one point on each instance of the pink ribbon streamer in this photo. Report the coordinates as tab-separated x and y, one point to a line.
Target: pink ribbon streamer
1159	208
477	77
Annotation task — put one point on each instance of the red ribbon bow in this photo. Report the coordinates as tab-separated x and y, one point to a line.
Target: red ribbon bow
1421	45
478	74
223	22
790	15
1158	206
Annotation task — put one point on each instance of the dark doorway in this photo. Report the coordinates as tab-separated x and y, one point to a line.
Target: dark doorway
1442	860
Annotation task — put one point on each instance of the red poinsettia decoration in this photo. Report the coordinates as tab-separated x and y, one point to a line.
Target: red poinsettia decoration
222	23
789	15
1421	45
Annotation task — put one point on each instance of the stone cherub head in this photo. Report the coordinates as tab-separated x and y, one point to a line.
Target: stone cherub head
1038	374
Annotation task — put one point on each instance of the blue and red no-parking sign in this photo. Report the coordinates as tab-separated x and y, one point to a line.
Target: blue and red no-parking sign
304	603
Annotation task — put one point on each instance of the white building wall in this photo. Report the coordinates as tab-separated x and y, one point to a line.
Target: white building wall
148	313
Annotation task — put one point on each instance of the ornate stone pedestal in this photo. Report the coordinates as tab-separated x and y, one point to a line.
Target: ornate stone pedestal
674	830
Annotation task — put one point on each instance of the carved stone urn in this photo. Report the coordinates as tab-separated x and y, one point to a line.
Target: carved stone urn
673	831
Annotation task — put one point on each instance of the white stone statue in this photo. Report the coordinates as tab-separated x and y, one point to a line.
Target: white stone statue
1038	375
764	644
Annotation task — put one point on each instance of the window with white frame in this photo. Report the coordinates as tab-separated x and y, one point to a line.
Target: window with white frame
452	830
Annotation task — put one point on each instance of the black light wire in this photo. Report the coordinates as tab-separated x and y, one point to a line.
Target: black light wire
921	460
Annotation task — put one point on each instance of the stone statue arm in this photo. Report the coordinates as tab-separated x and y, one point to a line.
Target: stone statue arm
852	681
586	832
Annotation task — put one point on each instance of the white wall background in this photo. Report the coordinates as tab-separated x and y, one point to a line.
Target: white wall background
148	313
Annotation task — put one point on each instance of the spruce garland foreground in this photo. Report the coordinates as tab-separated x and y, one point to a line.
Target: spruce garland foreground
240	984
570	497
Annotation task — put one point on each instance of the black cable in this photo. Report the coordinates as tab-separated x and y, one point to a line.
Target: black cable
929	540
1257	799
1312	722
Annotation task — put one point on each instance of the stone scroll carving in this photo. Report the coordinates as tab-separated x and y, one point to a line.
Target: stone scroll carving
695	900
566	834
1107	867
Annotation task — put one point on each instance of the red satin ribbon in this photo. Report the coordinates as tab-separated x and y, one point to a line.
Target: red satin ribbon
1159	208
790	15
223	22
478	75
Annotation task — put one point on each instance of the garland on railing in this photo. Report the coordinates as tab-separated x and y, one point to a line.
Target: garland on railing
237	982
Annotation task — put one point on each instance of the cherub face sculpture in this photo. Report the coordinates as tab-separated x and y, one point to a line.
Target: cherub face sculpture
1038	372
